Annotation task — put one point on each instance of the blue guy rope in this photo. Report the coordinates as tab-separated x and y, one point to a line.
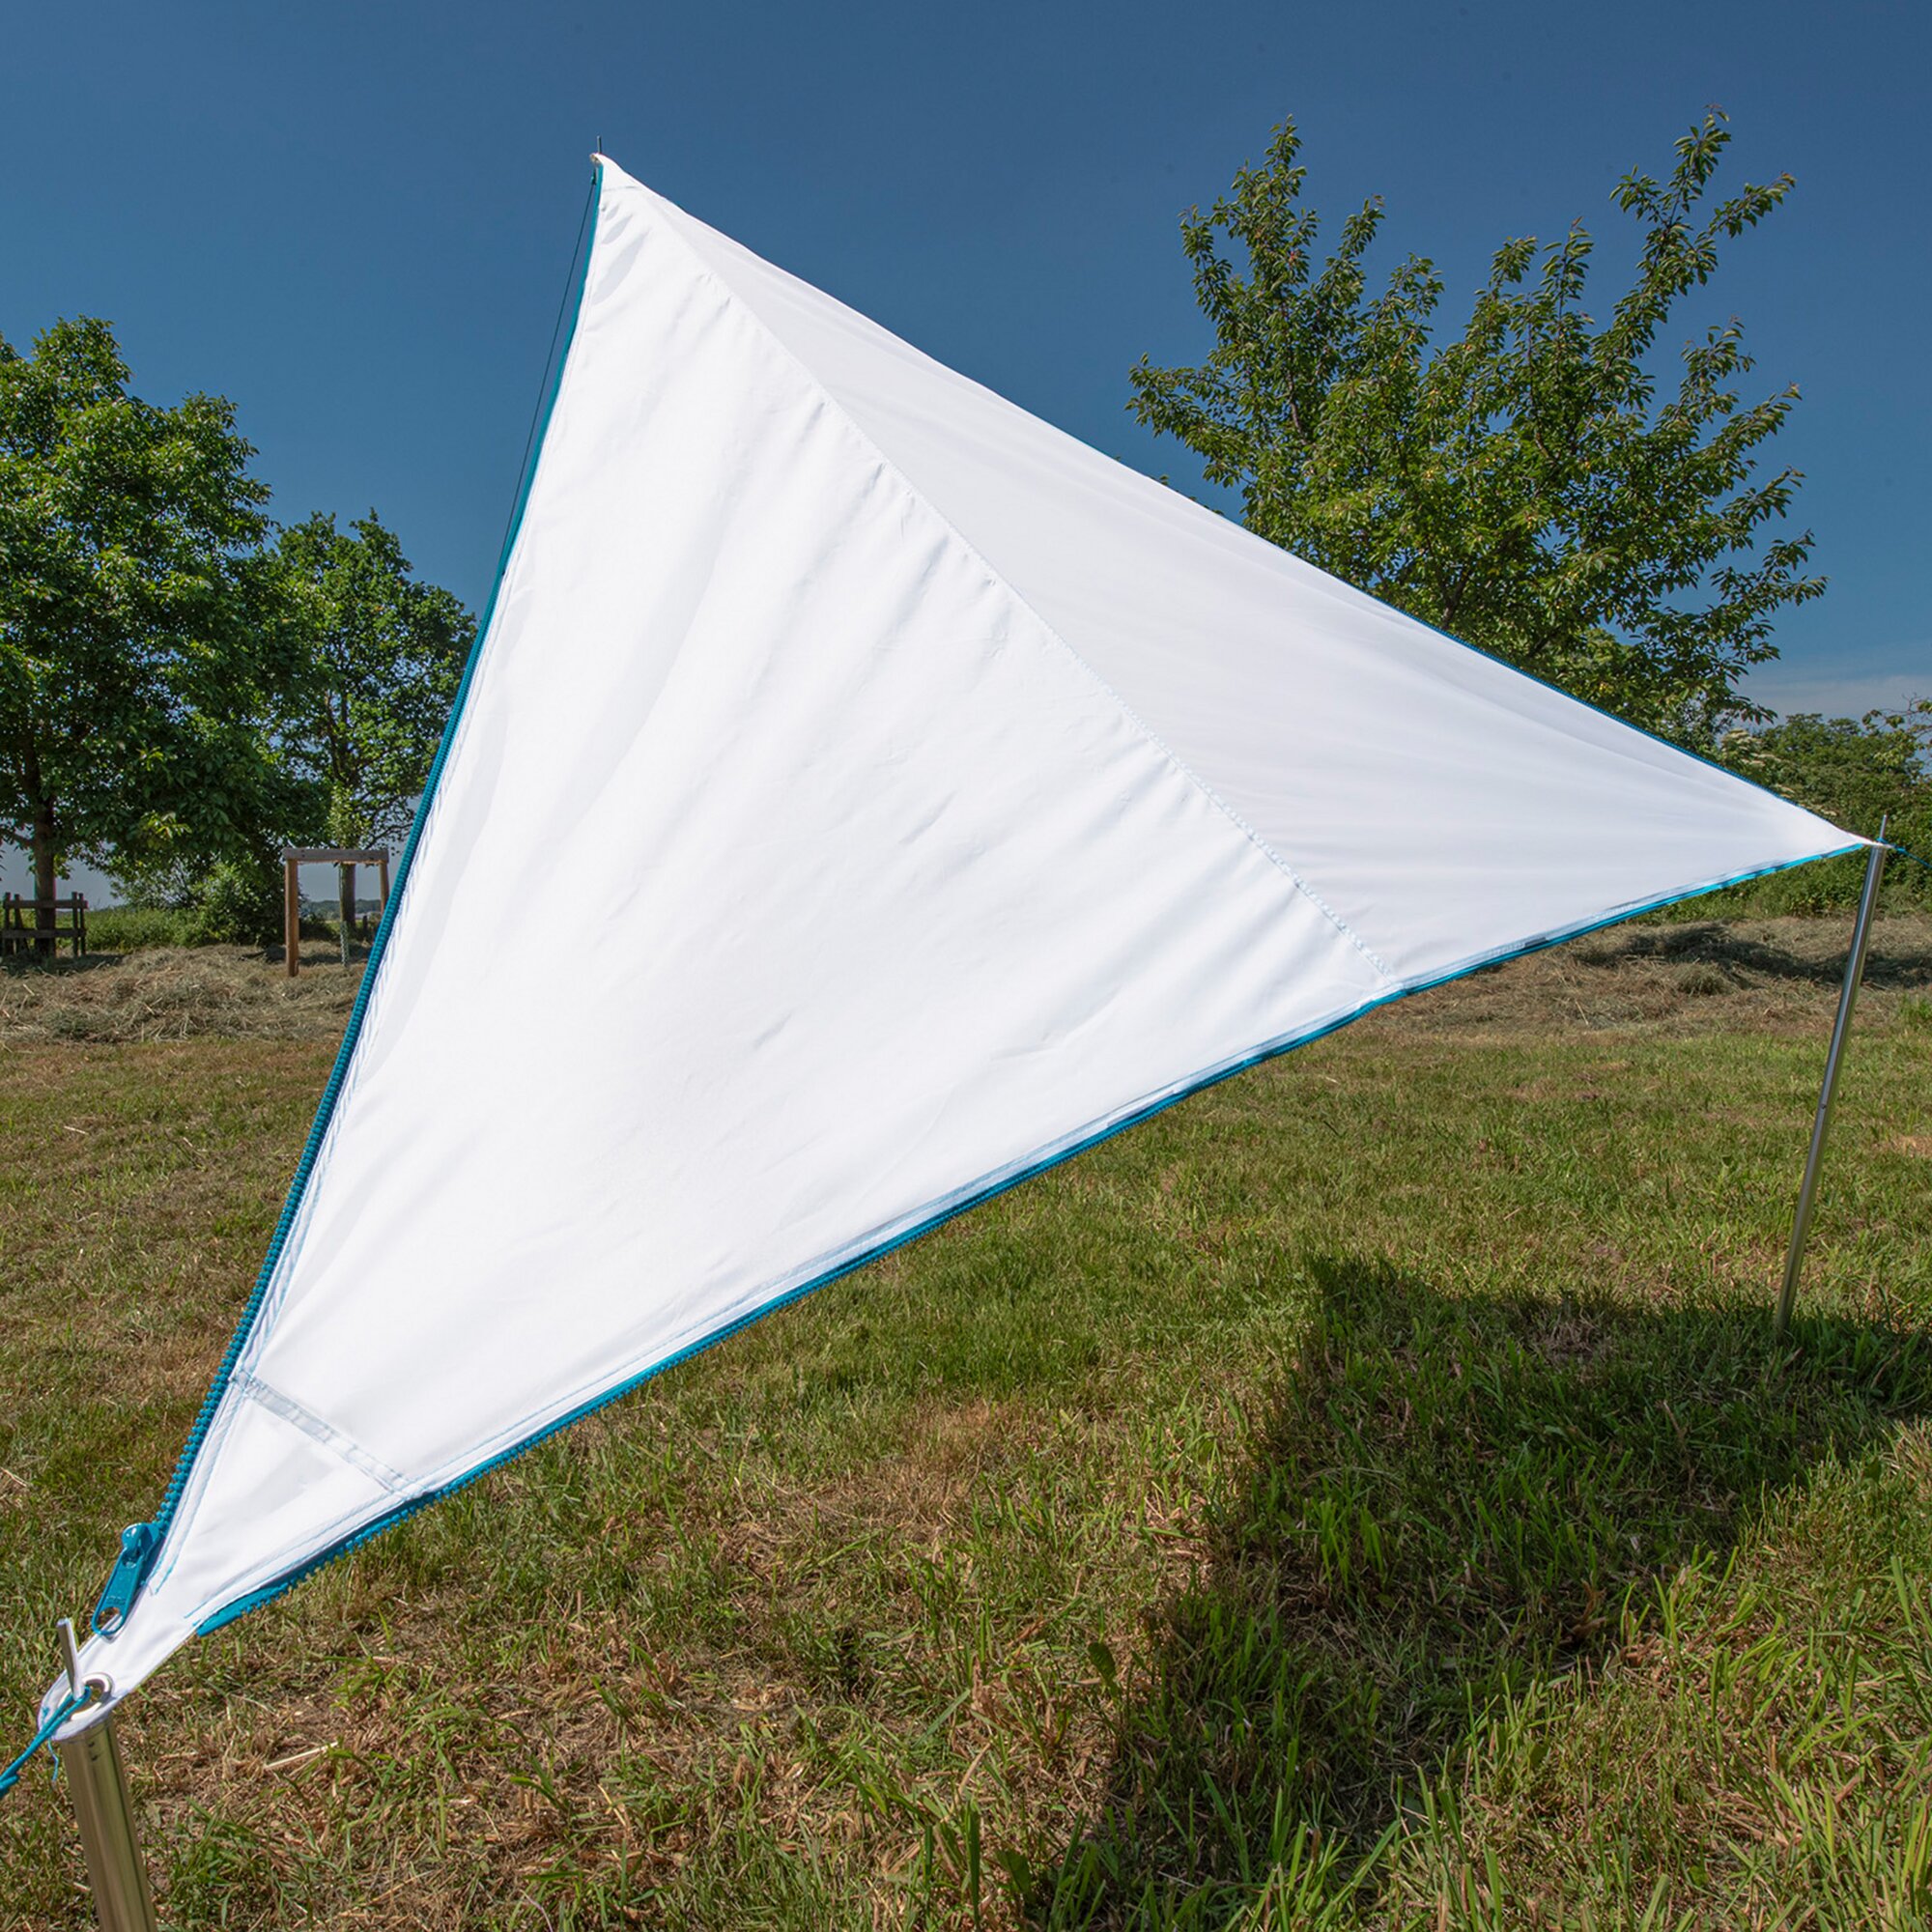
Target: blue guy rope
72	1702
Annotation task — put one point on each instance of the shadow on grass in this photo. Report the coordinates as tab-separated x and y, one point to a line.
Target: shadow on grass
1452	1499
1898	959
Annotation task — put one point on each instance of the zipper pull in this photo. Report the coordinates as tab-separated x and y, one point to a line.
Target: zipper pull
138	1544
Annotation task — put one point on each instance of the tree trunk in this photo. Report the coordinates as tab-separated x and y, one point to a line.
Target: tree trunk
46	876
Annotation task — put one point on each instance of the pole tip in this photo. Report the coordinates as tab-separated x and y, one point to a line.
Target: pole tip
70	1654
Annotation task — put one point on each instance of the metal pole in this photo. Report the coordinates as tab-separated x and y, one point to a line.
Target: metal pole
116	1870
1848	998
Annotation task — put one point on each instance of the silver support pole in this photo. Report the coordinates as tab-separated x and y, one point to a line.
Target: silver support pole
1848	998
116	1872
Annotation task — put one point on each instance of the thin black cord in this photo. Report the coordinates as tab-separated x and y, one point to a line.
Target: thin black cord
543	386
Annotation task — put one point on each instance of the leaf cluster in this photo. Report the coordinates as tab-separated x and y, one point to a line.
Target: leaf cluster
1529	485
1853	771
382	654
1860	773
137	652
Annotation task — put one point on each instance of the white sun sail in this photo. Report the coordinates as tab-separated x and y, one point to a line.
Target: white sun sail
940	795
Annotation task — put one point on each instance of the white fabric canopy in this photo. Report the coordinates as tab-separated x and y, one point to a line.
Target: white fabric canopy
938	796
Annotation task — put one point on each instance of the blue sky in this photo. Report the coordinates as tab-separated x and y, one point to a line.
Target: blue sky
355	220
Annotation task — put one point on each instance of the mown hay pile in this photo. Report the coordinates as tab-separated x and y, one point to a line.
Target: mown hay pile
177	993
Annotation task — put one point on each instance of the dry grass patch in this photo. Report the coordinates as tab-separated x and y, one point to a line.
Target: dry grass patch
1682	976
177	993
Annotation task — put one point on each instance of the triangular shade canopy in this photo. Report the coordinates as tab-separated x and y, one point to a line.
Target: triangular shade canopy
940	795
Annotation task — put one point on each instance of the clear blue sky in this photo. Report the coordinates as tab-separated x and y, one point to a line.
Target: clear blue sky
355	220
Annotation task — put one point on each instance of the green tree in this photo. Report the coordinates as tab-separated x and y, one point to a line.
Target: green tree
1522	486
137	654
384	654
1859	773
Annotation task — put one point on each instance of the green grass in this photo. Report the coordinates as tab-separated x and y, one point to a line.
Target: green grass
138	928
1367	1495
148	929
1831	887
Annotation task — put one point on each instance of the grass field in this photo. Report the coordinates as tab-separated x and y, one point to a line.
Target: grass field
1367	1495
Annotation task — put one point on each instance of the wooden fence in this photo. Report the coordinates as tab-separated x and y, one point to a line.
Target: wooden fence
21	932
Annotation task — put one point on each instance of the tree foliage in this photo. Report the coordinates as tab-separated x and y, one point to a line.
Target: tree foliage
1523	486
137	656
1859	773
384	654
1853	771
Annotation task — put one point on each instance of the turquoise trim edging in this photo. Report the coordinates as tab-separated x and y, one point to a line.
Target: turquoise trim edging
1274	1050
139	1549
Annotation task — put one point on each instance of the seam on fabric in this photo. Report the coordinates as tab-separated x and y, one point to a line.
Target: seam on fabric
1325	578
1139	724
252	1388
214	1618
168	1517
1339	592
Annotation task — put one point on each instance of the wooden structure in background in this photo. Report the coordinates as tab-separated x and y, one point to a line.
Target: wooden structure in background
20	932
293	858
